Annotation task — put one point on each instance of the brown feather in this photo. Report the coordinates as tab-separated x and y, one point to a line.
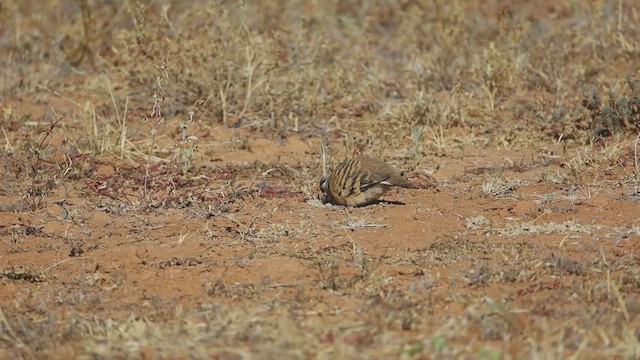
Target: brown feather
361	181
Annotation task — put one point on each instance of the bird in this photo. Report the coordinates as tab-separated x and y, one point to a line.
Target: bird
360	181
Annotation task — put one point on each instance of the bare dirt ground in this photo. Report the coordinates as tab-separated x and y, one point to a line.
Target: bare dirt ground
161	160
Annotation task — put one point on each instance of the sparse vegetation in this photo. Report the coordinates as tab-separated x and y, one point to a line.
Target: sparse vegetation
161	160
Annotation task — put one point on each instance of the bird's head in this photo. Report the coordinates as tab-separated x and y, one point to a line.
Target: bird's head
324	187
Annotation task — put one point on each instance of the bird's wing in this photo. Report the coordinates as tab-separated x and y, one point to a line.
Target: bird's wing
373	178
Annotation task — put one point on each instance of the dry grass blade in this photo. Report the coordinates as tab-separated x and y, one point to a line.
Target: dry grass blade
499	187
7	146
8	327
13	336
354	224
635	153
323	151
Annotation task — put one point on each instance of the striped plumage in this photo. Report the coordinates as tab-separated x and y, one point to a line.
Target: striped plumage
360	181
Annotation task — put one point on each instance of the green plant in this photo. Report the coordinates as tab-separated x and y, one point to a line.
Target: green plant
417	137
619	113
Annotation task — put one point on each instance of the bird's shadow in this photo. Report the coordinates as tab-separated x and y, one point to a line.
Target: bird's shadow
386	202
378	202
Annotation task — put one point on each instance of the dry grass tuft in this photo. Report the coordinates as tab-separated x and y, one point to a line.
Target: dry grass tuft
161	159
